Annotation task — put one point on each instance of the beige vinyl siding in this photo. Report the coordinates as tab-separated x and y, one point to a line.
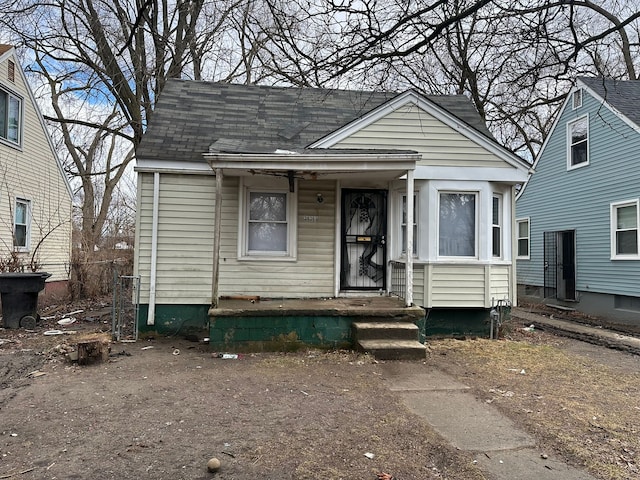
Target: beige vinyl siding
453	286
185	238
31	172
500	282
310	275
185	243
411	128
419	274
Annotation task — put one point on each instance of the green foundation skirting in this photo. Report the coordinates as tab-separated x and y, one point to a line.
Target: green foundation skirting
285	333
176	320
282	333
457	322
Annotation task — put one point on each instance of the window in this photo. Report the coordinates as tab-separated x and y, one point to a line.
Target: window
404	224
21	225
522	238
10	117
496	225
577	99
457	225
268	222
578	141
624	230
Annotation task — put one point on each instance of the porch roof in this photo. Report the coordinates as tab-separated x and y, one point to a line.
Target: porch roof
313	163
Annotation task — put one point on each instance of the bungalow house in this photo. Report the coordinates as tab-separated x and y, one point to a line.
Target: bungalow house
35	196
273	195
578	214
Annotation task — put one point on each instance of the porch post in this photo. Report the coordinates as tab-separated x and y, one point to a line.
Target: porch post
409	265
216	239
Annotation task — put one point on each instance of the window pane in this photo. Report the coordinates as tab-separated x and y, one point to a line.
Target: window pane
496	211
496	241
3	114
21	236
268	206
627	242
627	217
457	226
21	213
523	229
523	247
268	237
579	131
14	120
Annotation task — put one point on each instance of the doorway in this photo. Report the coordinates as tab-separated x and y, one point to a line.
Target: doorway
560	265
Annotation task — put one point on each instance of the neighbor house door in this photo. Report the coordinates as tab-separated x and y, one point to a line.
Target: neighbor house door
363	250
560	265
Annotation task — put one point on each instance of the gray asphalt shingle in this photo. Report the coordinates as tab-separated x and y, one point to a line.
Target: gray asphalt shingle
190	116
623	95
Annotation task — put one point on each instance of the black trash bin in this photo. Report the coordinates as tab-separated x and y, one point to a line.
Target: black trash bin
19	294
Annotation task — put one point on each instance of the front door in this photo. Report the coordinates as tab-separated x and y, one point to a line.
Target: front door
364	253
559	265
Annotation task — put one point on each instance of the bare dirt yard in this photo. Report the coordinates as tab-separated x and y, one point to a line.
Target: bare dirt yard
160	408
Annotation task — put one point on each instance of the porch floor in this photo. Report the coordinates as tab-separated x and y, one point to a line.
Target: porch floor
380	307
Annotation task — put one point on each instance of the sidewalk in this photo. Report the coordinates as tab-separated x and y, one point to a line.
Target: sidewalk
500	449
586	333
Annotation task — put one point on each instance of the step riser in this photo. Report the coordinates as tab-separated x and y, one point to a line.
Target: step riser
396	353
386	334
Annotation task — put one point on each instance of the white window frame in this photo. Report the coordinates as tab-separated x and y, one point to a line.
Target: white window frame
614	230
4	136
498	226
291	219
403	226
476	195
576	99
570	165
528	238
27	225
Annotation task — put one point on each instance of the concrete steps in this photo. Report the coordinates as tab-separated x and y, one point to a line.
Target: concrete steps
389	340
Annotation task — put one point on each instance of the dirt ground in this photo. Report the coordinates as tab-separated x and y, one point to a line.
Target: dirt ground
161	407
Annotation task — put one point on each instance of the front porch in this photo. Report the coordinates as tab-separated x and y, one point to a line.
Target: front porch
253	324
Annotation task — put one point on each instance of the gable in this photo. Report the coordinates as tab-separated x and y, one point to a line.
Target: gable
35	144
412	121
411	128
612	142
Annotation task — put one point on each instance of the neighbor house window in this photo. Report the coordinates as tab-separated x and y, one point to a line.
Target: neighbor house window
624	230
21	225
457	225
404	224
578	141
496	225
10	116
577	99
522	237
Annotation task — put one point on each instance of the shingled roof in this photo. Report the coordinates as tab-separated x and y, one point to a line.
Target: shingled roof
190	116
623	95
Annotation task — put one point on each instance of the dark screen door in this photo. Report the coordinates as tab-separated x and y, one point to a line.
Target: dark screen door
364	254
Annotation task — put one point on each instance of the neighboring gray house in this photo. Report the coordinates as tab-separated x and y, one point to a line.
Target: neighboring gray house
290	193
578	214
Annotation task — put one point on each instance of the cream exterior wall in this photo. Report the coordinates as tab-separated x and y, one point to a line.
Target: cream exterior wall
30	171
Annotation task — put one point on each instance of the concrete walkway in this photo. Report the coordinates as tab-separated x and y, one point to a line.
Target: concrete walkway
500	448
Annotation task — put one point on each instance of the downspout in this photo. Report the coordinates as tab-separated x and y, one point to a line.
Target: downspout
151	314
409	265
215	271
